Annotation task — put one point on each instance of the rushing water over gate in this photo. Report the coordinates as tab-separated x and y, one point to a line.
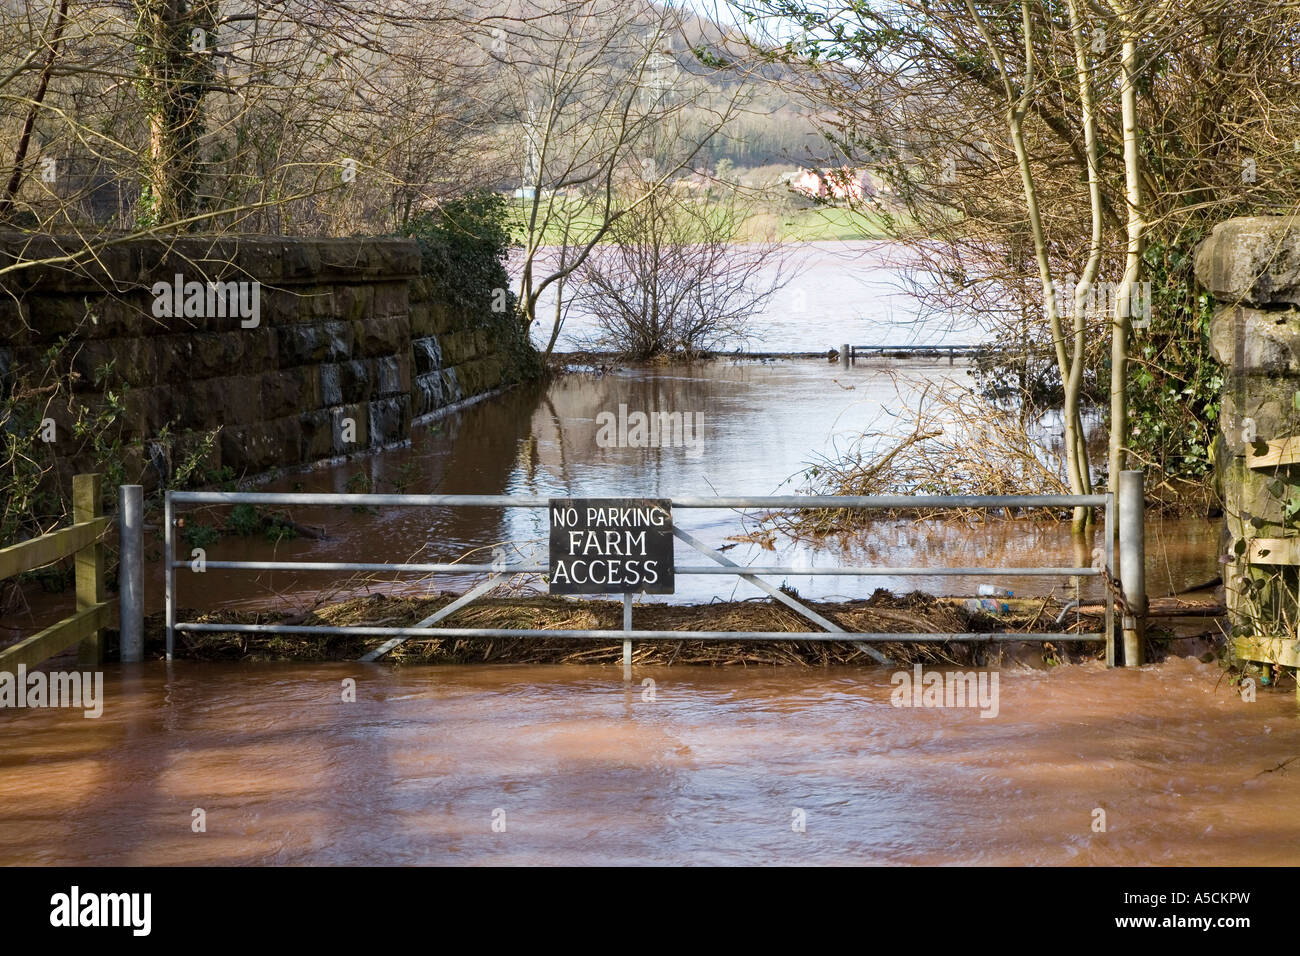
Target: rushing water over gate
588	771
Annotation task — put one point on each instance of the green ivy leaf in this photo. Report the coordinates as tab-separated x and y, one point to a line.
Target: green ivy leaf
1239	548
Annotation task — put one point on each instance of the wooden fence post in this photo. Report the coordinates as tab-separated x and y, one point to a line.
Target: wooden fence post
87	504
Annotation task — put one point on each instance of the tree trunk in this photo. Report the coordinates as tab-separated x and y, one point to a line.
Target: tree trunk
38	97
1069	366
172	79
1132	260
1082	517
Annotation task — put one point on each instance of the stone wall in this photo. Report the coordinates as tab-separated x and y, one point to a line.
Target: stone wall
1251	266
348	346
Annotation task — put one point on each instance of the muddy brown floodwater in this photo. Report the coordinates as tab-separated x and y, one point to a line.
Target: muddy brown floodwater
763	423
588	771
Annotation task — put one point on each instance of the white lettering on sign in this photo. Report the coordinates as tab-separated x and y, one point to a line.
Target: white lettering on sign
611	546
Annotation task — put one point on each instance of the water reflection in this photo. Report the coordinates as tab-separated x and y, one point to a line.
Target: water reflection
708	773
763	422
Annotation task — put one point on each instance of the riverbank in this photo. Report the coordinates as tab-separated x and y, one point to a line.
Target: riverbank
1179	628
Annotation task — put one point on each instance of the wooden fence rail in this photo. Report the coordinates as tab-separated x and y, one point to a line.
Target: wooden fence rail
83	538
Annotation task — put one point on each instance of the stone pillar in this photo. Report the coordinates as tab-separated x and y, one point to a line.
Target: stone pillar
1251	266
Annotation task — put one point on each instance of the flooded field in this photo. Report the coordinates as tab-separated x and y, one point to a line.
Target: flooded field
531	764
585	769
763	423
834	292
759	424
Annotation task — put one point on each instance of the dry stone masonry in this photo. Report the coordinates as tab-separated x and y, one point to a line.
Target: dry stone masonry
346	346
1252	267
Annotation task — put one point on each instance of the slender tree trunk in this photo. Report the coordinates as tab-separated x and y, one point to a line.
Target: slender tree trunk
38	98
1132	258
559	318
1076	461
1085	285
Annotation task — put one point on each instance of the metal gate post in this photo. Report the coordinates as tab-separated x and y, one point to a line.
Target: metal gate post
1132	564
130	515
169	558
1110	570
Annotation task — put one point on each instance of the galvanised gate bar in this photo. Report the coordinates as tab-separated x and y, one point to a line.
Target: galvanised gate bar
721	565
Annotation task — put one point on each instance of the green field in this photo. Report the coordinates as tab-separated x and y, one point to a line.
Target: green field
785	223
822	222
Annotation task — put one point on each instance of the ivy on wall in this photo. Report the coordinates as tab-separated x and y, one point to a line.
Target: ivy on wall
464	245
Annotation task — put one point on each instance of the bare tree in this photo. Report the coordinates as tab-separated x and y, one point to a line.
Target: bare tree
152	117
1138	126
598	95
674	280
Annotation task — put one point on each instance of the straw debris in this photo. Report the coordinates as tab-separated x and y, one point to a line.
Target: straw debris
882	612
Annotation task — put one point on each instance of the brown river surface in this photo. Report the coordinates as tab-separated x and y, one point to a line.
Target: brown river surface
763	424
587	771
583	768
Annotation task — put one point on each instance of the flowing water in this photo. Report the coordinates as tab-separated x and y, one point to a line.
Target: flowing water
758	426
585	770
762	424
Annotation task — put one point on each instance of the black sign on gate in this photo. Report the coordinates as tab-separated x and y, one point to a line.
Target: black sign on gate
611	546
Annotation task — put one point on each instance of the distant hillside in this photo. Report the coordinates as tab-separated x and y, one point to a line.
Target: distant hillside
773	128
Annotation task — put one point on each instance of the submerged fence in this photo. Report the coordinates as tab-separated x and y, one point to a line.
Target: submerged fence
849	353
721	565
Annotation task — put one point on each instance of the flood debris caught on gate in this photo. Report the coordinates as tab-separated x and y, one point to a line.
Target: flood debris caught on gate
883	611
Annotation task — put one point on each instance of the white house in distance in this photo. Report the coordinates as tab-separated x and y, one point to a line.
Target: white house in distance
843	184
